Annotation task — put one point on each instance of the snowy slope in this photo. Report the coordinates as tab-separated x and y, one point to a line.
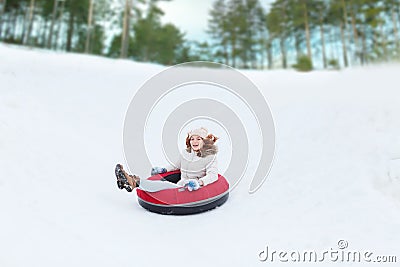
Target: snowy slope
61	118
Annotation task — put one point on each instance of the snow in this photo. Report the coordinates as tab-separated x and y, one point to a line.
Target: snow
335	175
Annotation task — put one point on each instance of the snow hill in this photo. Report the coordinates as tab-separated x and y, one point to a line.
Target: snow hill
335	175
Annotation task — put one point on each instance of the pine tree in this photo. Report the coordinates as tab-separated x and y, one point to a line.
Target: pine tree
53	21
307	28
336	21
218	31
126	29
278	26
89	27
321	9
253	33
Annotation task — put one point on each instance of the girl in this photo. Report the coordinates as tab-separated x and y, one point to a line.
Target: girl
197	163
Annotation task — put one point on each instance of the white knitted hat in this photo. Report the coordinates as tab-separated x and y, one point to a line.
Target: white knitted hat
202	132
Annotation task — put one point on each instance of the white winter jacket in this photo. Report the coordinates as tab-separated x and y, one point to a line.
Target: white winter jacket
204	167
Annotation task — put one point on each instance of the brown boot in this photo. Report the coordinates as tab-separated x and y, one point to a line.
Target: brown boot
122	178
133	180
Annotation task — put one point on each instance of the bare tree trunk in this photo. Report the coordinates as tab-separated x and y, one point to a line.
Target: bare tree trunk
283	51
282	39
126	29
297	45
226	55
307	30
364	46
30	23
398	11
25	25
332	41
262	58
269	54
70	32
355	33
3	7
7	25
89	27
343	29
322	33
395	30
234	51
344	47
14	24
53	21
2	12
43	33
344	13
324	61
384	42
12	29
59	23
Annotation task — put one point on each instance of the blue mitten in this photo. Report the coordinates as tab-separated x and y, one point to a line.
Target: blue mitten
157	170
193	184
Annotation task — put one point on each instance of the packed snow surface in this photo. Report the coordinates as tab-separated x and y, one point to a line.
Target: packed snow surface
336	173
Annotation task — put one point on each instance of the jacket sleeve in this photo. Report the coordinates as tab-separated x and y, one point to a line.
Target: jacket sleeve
211	172
175	166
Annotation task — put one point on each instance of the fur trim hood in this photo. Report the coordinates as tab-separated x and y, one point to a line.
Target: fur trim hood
208	148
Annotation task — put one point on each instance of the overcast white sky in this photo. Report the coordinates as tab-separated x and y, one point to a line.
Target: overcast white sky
192	16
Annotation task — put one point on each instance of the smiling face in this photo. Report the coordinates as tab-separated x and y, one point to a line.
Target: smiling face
196	142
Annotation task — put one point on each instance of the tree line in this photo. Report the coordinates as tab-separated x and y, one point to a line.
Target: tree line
350	32
114	28
243	33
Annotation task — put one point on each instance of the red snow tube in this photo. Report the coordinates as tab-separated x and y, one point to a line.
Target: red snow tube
180	201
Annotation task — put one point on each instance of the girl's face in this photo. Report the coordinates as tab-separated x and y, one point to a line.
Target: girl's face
196	142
